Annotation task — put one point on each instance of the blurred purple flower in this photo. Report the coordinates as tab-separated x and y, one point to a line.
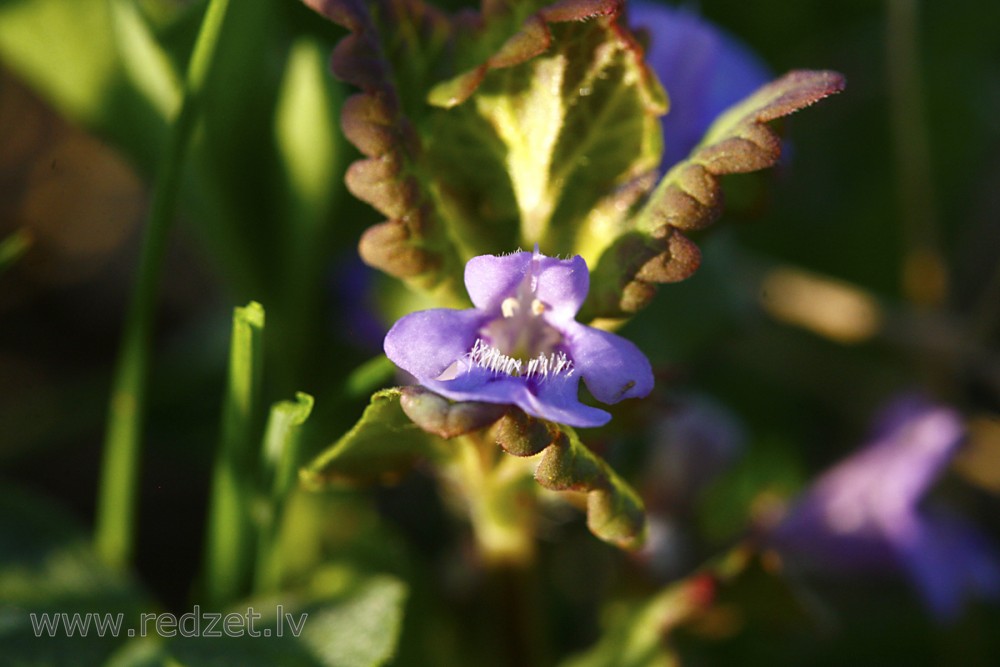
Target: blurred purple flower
692	445
704	69
521	344
354	312
864	513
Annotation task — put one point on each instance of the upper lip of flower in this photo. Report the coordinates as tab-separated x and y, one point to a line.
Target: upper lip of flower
520	343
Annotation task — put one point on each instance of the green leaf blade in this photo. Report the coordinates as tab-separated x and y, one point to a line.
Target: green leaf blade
47	566
556	136
230	539
384	443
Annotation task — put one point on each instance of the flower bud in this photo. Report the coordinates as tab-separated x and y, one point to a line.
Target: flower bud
436	414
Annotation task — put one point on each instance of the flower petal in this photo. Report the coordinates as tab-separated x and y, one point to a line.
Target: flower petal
562	285
948	559
554	399
492	278
915	439
829	528
427	342
557	400
612	367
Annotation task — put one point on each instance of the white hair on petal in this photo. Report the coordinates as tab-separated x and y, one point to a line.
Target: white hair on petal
543	366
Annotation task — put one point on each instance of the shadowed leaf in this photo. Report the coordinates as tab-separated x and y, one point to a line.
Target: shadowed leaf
49	574
355	624
383	444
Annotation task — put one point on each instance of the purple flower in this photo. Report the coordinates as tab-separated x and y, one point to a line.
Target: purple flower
520	344
704	70
864	514
695	442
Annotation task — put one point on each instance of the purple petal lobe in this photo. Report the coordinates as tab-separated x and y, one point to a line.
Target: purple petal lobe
612	367
426	343
562	285
554	399
914	442
490	279
932	435
947	560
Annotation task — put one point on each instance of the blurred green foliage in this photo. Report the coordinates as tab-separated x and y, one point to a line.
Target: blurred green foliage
265	216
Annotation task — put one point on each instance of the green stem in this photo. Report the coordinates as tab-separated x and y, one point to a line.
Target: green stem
500	493
230	537
279	465
13	247
924	270
501	522
116	503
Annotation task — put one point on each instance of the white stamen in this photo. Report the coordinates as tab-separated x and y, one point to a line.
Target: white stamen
492	359
537	307
510	306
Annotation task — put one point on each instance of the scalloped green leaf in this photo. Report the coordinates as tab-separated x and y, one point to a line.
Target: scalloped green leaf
383	444
485	132
525	33
549	140
614	511
446	418
390	53
654	248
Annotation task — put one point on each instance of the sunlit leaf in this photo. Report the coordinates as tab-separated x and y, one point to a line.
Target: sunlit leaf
360	627
485	132
549	140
